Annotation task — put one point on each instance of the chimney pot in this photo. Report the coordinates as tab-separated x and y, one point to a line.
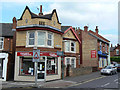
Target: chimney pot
85	28
96	30
40	10
14	23
111	45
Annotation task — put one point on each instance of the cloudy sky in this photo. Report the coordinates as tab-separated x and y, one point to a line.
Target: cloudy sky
76	13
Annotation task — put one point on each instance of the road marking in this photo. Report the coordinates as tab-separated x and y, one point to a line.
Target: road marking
115	80
86	81
105	84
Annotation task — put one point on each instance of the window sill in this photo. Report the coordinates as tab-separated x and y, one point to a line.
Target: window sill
26	75
69	52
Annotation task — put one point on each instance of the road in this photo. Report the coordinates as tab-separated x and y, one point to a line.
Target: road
106	81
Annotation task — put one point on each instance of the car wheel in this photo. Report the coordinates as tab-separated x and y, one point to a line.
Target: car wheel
111	73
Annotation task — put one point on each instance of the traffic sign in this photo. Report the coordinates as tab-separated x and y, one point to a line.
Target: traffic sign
36	55
60	53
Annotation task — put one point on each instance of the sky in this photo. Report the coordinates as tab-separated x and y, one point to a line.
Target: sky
76	13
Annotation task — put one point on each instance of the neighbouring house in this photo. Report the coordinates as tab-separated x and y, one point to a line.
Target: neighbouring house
6	52
71	44
112	49
115	53
103	50
88	49
95	51
44	32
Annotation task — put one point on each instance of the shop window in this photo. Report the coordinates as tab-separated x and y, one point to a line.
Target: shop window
117	51
1	43
52	66
26	66
31	38
41	38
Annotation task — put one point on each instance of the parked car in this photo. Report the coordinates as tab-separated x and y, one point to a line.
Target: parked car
109	70
118	67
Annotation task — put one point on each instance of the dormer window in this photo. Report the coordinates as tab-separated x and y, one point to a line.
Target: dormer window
41	23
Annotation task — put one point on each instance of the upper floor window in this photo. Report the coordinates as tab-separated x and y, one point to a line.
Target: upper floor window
40	38
117	51
106	48
1	43
100	46
31	38
70	46
49	39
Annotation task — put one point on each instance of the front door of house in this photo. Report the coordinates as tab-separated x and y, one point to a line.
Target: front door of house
41	71
1	67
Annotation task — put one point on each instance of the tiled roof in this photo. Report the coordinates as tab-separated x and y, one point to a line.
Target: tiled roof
64	28
99	36
6	29
112	49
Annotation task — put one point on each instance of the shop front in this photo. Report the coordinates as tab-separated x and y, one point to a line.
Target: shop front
49	67
103	59
3	66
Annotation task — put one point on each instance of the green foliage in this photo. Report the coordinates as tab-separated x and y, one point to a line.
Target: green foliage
116	59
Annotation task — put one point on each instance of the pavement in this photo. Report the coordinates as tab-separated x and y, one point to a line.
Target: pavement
66	82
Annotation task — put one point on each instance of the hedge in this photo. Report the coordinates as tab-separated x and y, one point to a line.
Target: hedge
116	59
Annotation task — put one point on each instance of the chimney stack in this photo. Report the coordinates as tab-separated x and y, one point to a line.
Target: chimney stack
14	24
40	10
85	28
96	30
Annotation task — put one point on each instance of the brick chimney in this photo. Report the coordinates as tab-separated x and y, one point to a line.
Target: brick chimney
14	24
96	30
40	10
85	28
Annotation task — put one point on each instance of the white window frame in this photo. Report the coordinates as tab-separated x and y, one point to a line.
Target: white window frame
117	50
51	39
3	43
106	48
71	61
27	39
70	46
36	39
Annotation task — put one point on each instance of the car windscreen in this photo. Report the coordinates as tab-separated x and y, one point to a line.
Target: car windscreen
108	67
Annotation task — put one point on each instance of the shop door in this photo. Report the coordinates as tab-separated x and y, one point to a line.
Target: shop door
1	67
41	71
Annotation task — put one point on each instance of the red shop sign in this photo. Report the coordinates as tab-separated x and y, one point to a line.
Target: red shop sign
41	54
93	53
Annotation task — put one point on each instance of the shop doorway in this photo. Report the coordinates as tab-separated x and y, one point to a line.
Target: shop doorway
1	68
41	71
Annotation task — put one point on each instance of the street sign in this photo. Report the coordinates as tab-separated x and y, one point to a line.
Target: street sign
36	55
93	53
60	53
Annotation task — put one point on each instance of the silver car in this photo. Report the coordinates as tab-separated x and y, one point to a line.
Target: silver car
109	70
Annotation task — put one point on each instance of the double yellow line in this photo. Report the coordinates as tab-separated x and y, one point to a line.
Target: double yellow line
86	81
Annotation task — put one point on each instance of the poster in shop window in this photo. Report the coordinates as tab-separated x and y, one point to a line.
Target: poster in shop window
93	53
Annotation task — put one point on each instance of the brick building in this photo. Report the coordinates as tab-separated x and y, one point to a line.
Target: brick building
115	51
6	52
41	31
71	49
94	49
